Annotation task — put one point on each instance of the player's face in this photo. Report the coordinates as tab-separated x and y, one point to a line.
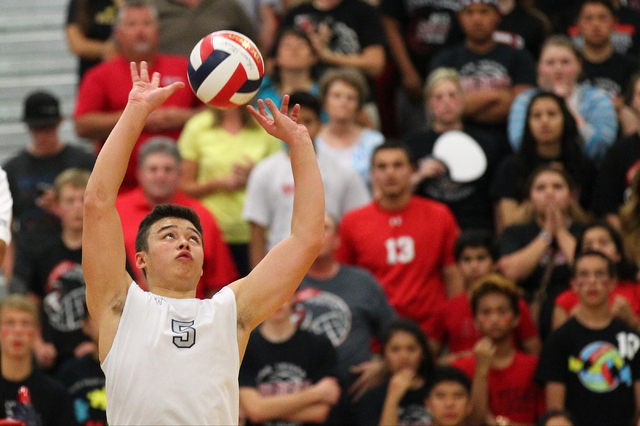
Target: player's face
558	65
341	103
175	254
592	282
391	172
69	207
137	32
403	351
599	239
546	121
17	333
295	53
449	404
549	188
595	23
479	21
445	102
474	263
495	317
159	177
308	118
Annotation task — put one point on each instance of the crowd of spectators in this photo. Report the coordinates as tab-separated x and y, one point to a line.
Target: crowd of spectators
480	159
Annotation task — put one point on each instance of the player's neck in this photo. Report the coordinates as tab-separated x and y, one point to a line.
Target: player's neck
294	80
324	268
72	238
16	369
45	144
395	203
504	353
441	127
278	331
597	54
480	47
594	317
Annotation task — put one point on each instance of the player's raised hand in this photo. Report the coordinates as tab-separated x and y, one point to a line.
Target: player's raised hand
146	92
279	124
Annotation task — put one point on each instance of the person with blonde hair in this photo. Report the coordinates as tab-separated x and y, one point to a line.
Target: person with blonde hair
436	175
51	274
343	93
50	402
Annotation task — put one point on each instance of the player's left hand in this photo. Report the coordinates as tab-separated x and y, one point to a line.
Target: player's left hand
279	124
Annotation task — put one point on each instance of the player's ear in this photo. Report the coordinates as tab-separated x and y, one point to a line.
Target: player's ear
141	260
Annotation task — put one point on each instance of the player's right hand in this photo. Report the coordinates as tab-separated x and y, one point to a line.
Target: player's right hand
147	93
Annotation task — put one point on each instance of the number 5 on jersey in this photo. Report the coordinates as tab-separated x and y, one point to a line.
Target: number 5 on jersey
186	333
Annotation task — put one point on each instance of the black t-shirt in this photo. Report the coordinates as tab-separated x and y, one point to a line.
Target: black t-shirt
469	201
53	272
411	410
522	30
502	68
287	367
598	368
510	182
515	238
49	398
620	165
85	380
426	26
612	75
102	18
28	175
354	24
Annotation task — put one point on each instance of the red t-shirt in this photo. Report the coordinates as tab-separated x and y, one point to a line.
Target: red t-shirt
459	333
218	269
630	290
512	390
406	251
106	87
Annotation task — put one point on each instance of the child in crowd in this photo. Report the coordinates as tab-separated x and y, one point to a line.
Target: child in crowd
590	365
449	399
475	255
503	386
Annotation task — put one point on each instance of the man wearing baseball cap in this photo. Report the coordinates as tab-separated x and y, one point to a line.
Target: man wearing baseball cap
492	73
31	171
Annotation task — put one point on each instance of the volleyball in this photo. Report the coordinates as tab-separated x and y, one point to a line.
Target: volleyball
225	69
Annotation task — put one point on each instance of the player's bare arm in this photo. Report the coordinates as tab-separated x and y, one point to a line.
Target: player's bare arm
278	275
103	253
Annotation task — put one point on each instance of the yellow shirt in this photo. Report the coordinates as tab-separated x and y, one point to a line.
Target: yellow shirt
215	150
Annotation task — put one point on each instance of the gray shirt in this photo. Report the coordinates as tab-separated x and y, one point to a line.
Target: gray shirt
349	309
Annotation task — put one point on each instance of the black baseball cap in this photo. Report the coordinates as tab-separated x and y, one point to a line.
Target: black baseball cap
41	109
494	3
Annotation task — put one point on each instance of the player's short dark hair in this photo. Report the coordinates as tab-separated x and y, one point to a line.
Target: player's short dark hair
495	284
611	267
160	212
605	3
392	144
475	238
306	100
446	373
406	325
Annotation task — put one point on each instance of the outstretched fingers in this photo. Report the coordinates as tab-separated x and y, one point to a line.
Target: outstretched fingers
295	112
284	106
144	71
134	72
259	116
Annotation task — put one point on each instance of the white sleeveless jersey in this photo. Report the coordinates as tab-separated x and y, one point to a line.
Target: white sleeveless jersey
174	361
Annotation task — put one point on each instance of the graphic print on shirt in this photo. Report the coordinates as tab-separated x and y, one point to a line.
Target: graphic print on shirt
185	333
65	297
282	378
601	367
413	415
343	38
325	314
484	74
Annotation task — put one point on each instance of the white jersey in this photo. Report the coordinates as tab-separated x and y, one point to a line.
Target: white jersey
174	361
